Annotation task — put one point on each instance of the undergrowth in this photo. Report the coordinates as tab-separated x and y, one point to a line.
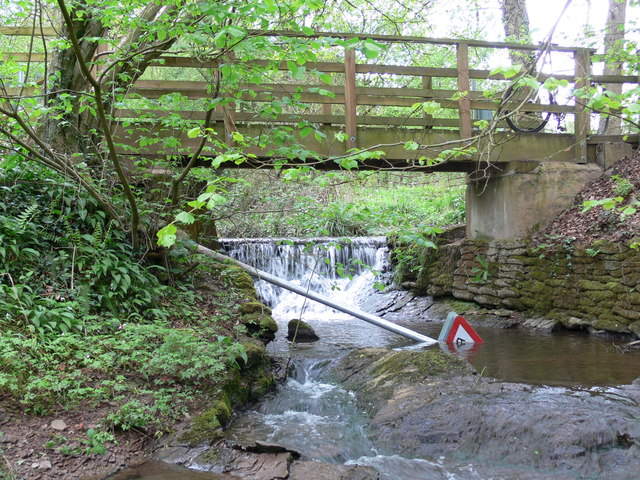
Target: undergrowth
85	322
344	204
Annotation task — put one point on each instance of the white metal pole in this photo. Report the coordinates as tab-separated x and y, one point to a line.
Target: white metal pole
367	317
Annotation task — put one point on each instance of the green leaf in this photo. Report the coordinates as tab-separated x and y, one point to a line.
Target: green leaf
508	71
167	235
348	163
326	78
628	210
236	32
185	217
194	132
411	145
372	49
341	136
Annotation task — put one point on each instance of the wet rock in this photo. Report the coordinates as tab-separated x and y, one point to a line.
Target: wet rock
260	325
265	447
300	331
375	373
541	323
160	470
493	321
501	312
575	322
329	471
635	329
445	411
251	466
401	302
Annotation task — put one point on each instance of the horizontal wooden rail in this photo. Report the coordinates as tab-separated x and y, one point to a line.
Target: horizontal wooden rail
50	32
28	31
147	115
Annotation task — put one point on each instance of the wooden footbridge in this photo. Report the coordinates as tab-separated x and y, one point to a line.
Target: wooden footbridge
400	104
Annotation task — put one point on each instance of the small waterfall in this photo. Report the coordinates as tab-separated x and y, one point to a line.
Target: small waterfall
344	269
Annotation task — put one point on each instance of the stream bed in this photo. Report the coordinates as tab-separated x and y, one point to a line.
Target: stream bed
550	405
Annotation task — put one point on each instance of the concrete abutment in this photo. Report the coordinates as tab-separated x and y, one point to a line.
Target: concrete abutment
523	198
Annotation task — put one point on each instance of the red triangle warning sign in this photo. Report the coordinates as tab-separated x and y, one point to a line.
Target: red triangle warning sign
457	330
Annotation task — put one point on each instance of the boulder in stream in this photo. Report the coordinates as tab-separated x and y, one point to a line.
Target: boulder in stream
300	331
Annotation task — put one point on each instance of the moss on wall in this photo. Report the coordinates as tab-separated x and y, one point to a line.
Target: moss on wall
597	286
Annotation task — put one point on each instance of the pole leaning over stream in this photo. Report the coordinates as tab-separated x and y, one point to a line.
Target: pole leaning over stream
367	317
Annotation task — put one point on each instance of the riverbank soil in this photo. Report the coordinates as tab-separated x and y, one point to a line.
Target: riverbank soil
188	370
621	183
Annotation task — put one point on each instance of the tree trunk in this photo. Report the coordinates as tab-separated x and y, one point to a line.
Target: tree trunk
613	38
69	135
515	22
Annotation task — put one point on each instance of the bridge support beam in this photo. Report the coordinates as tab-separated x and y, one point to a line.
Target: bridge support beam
523	198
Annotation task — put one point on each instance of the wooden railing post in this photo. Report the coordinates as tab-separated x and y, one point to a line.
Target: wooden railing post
427	84
325	109
351	127
229	114
464	89
228	110
582	57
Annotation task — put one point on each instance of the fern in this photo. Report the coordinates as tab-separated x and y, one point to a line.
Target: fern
98	235
55	205
27	216
19	224
107	232
73	233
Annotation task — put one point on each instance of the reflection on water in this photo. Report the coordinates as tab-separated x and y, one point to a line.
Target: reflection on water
564	358
559	358
164	471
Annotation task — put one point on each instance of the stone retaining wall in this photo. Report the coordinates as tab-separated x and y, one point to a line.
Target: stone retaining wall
596	287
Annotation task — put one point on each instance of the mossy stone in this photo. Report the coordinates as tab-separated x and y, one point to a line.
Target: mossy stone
254	307
300	331
256	355
635	328
207	427
260	325
375	373
417	365
239	279
611	323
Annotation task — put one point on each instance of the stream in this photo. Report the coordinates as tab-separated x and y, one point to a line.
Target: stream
557	397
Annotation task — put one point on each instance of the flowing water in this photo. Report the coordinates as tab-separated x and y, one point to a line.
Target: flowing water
566	371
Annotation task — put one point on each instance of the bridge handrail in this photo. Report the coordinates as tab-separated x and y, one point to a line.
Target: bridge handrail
51	32
351	96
